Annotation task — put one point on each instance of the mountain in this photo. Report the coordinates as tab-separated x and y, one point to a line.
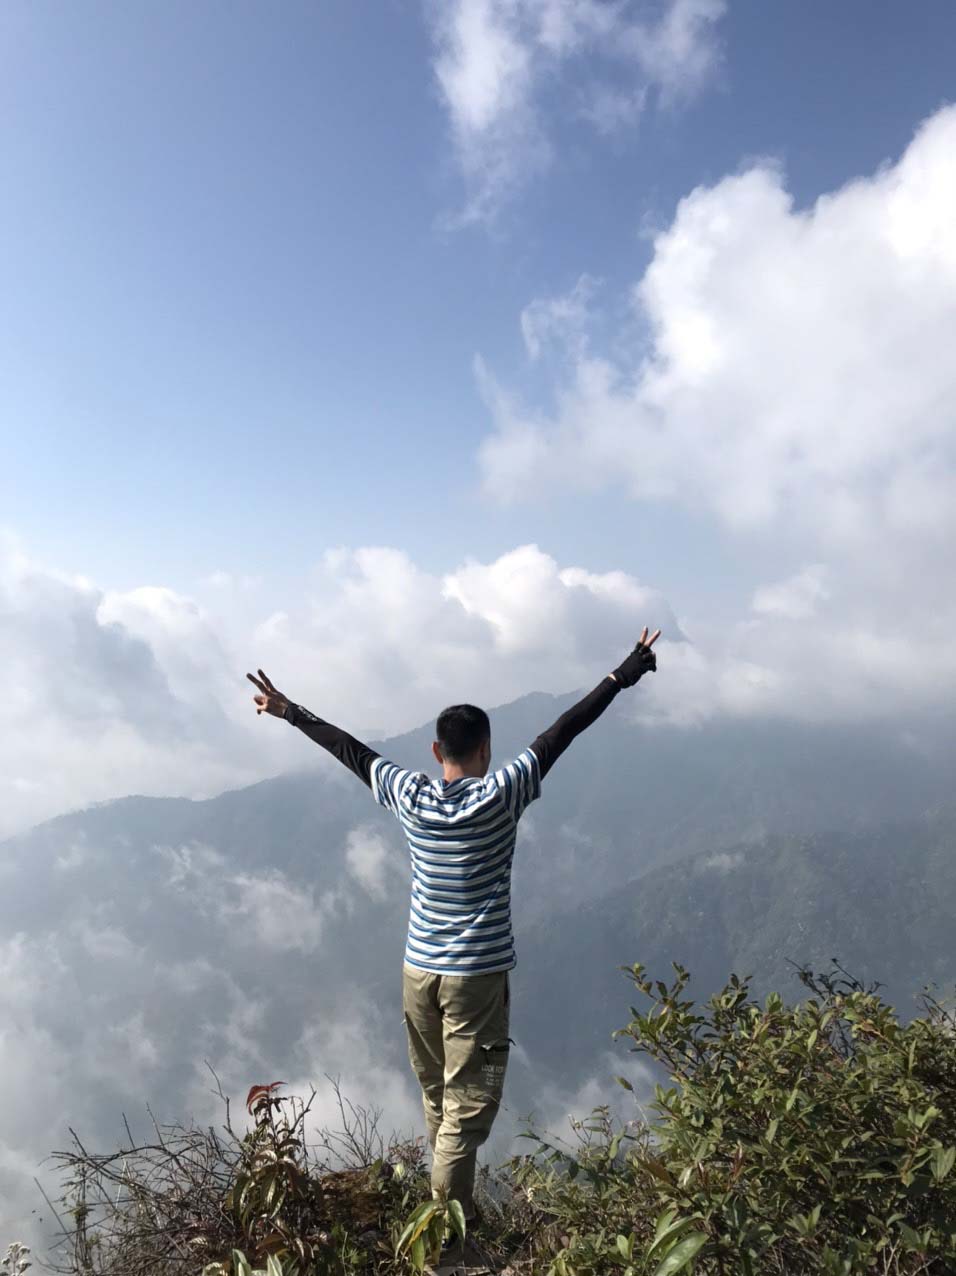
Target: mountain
881	902
262	930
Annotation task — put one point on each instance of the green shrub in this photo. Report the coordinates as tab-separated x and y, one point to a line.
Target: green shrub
814	1138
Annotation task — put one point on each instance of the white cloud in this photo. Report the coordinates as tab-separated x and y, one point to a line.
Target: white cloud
132	1047
484	632
144	692
265	910
557	1107
562	320
354	1047
496	59
281	915
796	598
678	51
799	363
111	693
724	861
795	387
609	109
370	860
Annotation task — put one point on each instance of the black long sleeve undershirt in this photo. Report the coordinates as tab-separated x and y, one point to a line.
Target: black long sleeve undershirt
358	757
552	743
548	747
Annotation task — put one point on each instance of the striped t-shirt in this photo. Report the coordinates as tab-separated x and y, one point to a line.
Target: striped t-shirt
461	835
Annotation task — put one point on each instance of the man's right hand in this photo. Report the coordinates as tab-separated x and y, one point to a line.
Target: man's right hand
269	700
641	660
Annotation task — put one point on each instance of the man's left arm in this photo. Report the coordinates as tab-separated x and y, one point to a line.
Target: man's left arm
550	744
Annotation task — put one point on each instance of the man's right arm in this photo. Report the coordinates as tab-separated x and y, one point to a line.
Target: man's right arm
552	743
358	757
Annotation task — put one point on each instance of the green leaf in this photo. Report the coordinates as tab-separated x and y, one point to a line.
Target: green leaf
273	1266
911	1239
417	1254
417	1222
664	1222
682	1254
669	1232
240	1264
456	1217
624	1082
942	1163
657	1168
625	1246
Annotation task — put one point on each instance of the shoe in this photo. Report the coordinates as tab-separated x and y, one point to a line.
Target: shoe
461	1258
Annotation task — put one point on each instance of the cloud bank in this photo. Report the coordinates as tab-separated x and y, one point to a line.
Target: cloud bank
790	379
144	691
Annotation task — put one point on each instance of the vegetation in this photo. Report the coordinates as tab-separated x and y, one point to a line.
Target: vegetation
227	1203
16	1260
818	1138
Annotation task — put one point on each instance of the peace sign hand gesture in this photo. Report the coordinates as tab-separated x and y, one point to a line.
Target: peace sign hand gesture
270	700
642	660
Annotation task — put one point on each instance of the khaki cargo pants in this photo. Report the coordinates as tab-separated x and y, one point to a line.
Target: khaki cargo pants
458	1045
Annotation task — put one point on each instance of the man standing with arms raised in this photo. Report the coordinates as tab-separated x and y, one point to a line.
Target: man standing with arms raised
461	833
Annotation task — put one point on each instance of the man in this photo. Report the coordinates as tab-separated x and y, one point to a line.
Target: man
461	834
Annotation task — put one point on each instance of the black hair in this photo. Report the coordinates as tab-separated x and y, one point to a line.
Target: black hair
461	729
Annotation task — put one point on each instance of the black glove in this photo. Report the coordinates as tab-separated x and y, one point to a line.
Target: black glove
641	661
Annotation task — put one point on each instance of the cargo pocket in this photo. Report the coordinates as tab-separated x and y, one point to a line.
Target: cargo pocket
494	1064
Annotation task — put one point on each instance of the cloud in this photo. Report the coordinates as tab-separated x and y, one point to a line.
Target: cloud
280	915
356	1047
724	861
791	383
795	598
798	364
497	60
265	910
143	691
484	632
123	981
558	1107
111	693
370	860
559	320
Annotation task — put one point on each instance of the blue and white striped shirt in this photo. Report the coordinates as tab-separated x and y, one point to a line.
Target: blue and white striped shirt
461	835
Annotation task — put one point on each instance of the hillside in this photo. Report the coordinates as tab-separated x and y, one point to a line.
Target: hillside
881	901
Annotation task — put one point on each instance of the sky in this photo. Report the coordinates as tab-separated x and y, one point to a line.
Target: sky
421	352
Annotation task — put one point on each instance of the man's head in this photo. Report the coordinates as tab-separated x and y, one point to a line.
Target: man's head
464	739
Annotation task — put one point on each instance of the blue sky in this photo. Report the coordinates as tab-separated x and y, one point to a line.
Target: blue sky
664	288
234	330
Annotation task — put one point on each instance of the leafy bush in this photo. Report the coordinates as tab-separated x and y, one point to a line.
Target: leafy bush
815	1138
